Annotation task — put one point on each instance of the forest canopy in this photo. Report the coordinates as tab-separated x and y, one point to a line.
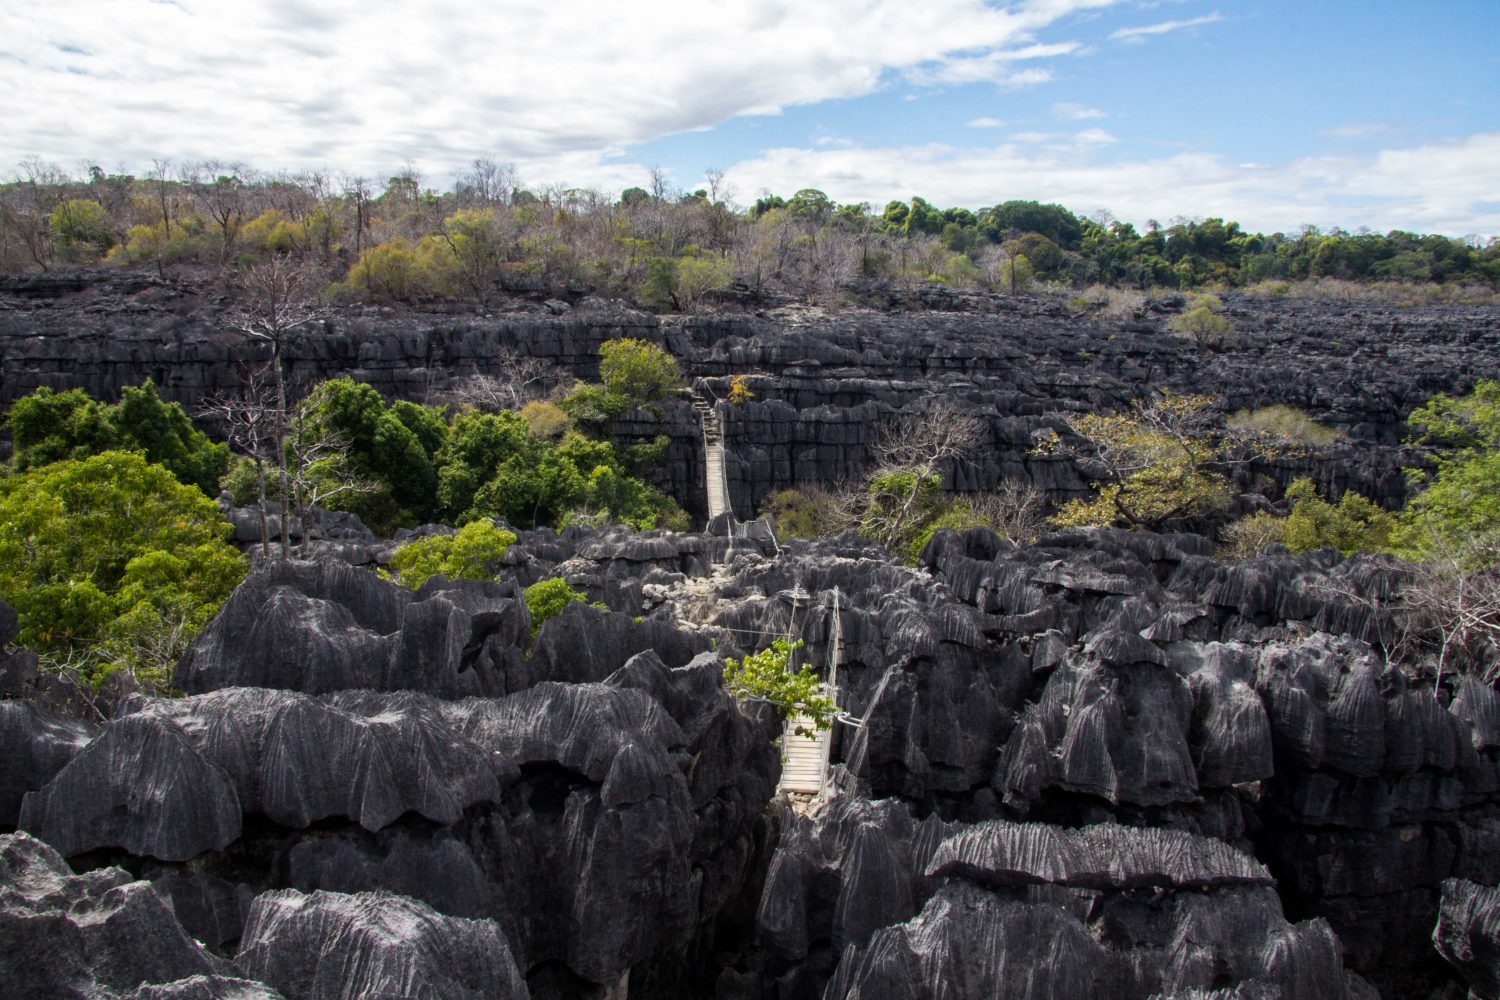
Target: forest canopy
398	240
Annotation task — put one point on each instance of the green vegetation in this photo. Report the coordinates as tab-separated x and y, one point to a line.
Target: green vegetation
1459	507
112	563
529	469
638	371
1355	524
678	250
546	599
1204	323
470	554
1154	467
767	676
49	426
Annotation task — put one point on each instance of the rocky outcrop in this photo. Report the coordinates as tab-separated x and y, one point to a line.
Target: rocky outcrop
823	381
875	904
592	820
1468	935
349	947
98	935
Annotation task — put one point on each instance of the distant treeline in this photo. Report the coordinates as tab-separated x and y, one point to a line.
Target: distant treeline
662	248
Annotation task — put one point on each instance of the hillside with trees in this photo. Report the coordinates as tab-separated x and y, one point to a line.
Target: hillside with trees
399	241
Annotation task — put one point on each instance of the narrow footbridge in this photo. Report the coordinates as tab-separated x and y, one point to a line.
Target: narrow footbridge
716	479
804	759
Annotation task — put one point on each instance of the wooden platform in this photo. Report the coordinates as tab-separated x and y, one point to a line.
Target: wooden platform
803	759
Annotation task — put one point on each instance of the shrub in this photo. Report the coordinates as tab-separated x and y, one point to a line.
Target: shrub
546	421
1203	325
804	513
765	676
1282	423
467	555
546	599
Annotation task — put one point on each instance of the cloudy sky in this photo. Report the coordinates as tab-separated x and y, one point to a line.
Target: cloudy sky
1277	113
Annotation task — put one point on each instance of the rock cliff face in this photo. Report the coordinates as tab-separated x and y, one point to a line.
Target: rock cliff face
823	382
591	813
1105	765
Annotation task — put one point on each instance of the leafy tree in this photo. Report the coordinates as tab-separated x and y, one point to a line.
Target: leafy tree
803	513
470	554
49	426
767	676
1155	466
637	370
1460	505
1354	524
546	599
394	271
111	563
84	228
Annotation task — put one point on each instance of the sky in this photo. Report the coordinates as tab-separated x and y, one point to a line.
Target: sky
1274	113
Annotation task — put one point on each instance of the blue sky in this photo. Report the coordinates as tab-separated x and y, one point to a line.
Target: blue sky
1274	113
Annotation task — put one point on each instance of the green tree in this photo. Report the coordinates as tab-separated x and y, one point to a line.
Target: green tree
767	676
111	563
470	554
638	370
48	426
1155	466
1354	524
84	228
1203	324
1458	506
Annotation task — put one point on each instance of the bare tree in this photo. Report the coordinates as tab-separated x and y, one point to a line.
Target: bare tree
488	184
26	207
279	295
319	469
357	192
927	438
1454	600
1015	509
248	418
519	379
221	190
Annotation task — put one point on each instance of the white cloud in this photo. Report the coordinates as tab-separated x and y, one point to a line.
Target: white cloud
1075	112
1140	34
1357	130
554	85
1095	137
1440	188
984	123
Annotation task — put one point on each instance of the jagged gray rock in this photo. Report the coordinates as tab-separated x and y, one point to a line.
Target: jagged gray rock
1467	935
96	935
328	626
34	745
331	946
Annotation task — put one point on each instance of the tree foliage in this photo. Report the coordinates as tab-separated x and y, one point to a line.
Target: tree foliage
1459	505
767	676
546	599
637	370
1354	524
1152	467
472	553
112	563
50	426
